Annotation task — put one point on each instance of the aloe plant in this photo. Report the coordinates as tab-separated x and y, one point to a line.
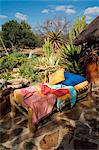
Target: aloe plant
50	55
70	54
70	58
79	25
56	39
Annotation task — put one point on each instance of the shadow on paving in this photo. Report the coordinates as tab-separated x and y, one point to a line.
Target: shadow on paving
14	134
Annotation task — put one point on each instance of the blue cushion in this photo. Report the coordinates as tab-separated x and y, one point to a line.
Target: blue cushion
72	79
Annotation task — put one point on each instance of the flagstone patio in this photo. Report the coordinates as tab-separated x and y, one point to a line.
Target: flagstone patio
75	129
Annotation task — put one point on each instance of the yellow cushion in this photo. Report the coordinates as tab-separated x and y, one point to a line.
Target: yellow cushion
18	96
81	85
57	77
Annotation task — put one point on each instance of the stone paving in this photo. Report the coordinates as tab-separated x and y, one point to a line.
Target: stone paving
75	129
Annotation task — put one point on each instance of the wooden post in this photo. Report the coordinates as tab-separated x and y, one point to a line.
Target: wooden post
12	105
90	88
30	124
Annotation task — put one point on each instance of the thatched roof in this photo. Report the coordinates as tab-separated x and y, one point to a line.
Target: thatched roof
89	34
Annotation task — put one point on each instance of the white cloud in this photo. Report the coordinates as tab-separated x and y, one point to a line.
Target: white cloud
21	16
3	16
88	17
60	8
70	11
45	11
66	8
91	10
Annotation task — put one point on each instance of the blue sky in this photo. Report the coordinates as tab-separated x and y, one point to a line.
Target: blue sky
36	11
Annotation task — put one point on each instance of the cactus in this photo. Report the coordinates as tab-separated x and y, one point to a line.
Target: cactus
79	25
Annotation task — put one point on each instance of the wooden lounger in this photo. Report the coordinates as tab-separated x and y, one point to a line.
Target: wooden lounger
27	112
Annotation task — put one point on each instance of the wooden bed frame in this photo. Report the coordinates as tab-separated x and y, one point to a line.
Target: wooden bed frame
29	113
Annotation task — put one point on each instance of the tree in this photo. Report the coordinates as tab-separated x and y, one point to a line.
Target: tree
28	38
53	25
17	34
56	30
10	31
25	26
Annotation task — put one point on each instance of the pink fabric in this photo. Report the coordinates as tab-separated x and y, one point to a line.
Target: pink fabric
30	89
42	105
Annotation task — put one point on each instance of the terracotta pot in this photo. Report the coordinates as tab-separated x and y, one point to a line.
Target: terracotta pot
92	72
2	106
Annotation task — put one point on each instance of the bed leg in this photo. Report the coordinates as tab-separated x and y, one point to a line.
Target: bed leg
12	105
90	89
31	126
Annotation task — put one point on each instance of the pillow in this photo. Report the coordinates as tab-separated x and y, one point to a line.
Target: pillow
72	79
57	77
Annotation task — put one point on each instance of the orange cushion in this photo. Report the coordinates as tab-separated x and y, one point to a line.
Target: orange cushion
57	77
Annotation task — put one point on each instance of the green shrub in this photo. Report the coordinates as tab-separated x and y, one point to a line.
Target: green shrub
10	61
6	76
27	70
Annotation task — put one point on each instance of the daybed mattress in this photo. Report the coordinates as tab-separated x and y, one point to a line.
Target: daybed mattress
81	89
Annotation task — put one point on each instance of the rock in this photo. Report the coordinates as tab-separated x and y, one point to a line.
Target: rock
49	141
50	126
7	91
4	137
14	86
17	119
84	145
16	141
66	143
6	117
74	113
15	70
90	115
82	131
4	148
87	104
18	81
6	124
2	81
15	132
97	108
29	146
23	123
15	75
67	120
25	81
95	125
